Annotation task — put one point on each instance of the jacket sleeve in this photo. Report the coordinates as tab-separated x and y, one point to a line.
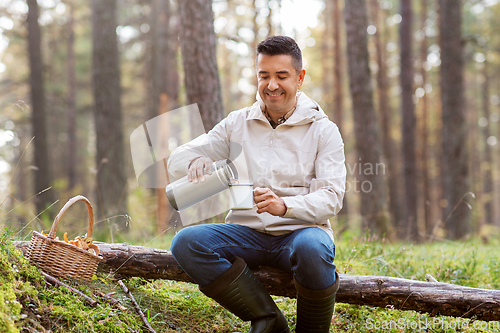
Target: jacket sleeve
214	145
327	189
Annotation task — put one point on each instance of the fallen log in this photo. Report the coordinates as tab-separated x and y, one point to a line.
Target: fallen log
435	298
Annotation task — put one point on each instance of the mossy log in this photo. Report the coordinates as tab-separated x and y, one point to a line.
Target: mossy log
435	298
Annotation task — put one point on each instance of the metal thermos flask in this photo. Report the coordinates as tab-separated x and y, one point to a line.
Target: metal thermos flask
183	193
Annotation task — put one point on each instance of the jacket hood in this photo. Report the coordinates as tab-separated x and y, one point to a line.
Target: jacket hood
307	110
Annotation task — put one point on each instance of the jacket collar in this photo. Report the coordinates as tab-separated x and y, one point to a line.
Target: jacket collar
307	111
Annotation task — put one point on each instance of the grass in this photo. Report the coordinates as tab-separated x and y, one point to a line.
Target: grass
469	263
28	304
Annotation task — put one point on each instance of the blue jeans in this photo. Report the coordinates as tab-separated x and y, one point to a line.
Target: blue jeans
204	252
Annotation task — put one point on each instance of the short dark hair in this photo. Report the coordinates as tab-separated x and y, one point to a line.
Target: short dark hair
277	45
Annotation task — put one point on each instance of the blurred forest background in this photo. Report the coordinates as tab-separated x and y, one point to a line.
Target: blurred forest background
414	87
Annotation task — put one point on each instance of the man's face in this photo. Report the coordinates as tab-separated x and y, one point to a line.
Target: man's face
278	82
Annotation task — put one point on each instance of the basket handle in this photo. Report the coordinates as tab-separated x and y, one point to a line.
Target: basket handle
52	233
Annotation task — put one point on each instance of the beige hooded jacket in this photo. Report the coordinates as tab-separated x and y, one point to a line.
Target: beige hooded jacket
301	160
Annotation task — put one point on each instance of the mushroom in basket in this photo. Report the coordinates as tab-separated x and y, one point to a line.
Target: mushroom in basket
83	243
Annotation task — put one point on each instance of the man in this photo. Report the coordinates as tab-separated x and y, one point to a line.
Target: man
295	159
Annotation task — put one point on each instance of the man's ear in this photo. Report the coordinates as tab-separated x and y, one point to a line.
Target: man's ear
302	75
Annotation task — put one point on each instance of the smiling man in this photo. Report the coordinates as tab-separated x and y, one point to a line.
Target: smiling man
279	77
295	158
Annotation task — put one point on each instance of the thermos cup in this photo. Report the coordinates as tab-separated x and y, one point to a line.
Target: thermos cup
240	196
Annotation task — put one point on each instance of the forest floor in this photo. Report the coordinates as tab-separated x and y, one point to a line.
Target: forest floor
29	304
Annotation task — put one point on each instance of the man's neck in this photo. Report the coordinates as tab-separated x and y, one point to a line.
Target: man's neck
276	119
275	116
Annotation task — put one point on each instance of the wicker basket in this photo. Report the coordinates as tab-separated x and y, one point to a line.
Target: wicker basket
62	259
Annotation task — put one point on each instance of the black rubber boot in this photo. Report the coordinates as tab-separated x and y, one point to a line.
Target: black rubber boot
315	307
240	292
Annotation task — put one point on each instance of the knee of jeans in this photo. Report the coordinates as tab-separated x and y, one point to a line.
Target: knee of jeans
313	252
181	243
314	249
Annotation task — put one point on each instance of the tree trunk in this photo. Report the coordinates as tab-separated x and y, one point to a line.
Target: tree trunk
163	62
327	60
474	139
255	40
43	176
424	128
270	29
111	178
396	205
409	122
198	42
437	150
278	29
435	298
426	297
163	92
19	180
488	157
71	95
370	184
454	156
338	101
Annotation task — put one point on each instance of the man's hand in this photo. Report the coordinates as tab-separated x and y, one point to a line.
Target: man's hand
198	168
268	201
